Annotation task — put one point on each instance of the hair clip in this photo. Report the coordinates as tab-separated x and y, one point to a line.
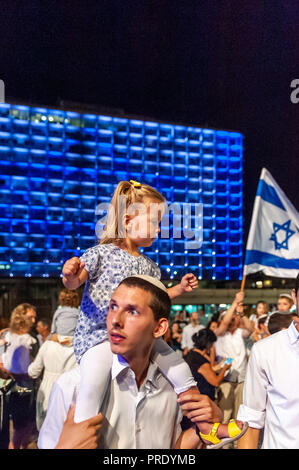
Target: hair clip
135	184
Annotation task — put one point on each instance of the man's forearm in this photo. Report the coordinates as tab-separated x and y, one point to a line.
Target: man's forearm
250	439
226	319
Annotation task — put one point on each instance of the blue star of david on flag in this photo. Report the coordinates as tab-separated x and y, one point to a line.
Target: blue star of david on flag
288	234
273	239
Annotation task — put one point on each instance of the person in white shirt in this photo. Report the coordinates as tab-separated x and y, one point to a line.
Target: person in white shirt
189	331
15	359
141	408
231	344
271	399
53	359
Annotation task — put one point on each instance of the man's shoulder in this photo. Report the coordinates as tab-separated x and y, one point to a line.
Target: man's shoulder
270	343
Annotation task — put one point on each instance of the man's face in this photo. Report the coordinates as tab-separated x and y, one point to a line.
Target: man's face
234	323
284	304
194	317
131	325
40	328
31	314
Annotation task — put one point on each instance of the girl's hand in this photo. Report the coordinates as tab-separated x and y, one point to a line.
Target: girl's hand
74	273
72	268
188	283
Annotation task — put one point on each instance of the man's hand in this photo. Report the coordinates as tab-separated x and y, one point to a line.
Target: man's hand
188	283
72	269
199	407
82	435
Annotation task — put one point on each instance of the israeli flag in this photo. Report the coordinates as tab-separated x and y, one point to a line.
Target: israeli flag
273	240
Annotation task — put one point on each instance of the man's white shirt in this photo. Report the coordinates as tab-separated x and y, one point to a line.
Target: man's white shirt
188	332
271	397
233	345
148	418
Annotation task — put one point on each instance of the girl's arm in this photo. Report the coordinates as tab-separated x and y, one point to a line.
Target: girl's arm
187	284
74	274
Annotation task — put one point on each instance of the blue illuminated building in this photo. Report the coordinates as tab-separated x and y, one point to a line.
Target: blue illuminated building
57	166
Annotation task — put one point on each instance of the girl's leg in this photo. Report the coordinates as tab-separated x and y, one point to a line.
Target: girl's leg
95	368
173	367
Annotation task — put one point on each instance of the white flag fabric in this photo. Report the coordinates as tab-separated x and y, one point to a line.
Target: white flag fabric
273	240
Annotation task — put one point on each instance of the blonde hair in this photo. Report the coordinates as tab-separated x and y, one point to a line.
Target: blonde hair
68	298
19	320
133	193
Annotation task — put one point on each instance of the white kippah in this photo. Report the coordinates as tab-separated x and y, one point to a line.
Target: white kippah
152	280
285	294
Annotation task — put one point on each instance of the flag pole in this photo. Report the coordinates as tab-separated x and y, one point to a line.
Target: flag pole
243	282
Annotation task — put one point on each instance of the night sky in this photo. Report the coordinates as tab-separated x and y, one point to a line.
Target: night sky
219	64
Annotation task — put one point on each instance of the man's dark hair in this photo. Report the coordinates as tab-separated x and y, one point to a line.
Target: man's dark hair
204	338
278	321
46	322
297	285
160	302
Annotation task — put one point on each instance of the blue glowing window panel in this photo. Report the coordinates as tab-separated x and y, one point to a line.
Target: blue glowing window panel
57	166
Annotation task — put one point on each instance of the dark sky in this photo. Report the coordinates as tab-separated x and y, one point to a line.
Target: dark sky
221	64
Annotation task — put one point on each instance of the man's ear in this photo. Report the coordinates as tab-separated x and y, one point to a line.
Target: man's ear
161	327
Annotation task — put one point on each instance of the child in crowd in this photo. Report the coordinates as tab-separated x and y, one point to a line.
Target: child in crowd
262	308
67	311
285	302
102	268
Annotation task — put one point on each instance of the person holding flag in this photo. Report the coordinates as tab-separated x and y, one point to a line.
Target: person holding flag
273	240
270	398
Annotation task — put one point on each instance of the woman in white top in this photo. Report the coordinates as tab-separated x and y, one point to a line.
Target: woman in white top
55	356
16	359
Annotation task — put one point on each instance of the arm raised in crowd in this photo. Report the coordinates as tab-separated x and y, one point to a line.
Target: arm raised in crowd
221	329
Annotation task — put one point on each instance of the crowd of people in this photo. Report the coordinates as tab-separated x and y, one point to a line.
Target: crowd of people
33	354
36	352
113	372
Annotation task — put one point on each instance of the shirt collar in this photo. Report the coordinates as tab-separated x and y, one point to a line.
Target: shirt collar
119	364
293	333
